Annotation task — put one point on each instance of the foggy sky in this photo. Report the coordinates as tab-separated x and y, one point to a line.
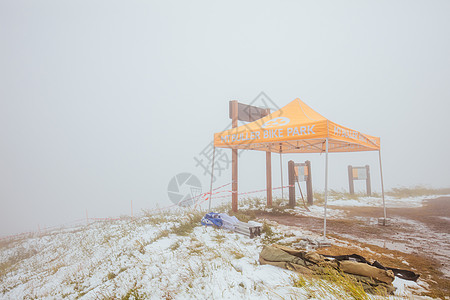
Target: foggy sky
103	102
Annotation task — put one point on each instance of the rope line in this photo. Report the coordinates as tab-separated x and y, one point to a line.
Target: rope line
201	198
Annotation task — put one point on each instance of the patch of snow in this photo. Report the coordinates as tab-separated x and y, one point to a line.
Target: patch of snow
403	288
318	212
390	201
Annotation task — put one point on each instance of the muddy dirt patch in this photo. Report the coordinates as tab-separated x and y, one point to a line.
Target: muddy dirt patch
420	235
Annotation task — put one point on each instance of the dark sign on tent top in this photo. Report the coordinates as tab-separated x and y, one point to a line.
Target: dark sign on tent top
248	113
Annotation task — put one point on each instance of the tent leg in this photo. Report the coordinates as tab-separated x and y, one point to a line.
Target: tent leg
212	176
382	187
234	159
326	191
281	172
269	178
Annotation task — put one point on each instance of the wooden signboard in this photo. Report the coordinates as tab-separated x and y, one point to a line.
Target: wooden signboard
359	173
247	113
300	172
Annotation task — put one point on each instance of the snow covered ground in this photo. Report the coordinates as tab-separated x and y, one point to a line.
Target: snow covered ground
391	202
151	258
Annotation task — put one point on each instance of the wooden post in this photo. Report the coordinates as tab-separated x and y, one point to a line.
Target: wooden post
309	190
269	171
269	177
291	176
234	163
368	185
350	180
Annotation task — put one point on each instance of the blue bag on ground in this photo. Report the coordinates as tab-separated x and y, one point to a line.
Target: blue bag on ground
212	219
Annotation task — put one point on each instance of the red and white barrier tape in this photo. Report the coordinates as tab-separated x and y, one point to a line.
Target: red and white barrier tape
246	193
203	197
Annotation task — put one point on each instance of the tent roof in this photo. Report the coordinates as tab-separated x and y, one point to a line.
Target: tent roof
295	128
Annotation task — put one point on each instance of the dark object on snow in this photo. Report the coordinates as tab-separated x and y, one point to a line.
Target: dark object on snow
403	274
248	229
373	280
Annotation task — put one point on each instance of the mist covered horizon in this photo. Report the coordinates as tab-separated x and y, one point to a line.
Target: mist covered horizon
103	104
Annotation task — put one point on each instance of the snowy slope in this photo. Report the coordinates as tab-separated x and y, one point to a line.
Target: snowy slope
146	258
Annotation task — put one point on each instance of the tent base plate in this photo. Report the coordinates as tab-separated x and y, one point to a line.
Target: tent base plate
383	221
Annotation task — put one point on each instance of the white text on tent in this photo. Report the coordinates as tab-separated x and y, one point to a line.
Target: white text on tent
240	137
291	131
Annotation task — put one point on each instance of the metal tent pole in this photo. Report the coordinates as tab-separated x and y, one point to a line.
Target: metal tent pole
269	178
282	183
212	176
326	190
382	186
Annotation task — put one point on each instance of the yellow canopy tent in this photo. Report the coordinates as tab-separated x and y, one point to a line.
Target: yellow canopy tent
297	128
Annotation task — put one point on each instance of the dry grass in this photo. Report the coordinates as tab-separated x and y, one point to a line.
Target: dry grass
133	293
269	236
343	285
218	237
12	262
111	276
236	253
252	202
161	234
404	192
175	246
154	219
400	192
332	282
141	247
243	215
185	228
6	243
